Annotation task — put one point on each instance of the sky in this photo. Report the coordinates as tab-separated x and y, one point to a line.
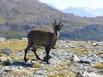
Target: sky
63	4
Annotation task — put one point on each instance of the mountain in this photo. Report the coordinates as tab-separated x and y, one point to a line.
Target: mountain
18	17
21	11
90	32
84	11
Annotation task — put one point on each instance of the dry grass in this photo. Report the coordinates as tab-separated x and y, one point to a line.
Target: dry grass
14	44
3	54
61	70
98	65
22	72
81	50
99	53
62	74
16	58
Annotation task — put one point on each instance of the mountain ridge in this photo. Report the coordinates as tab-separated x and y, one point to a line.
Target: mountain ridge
22	16
84	11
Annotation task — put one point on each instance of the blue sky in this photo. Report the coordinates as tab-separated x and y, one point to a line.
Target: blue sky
63	4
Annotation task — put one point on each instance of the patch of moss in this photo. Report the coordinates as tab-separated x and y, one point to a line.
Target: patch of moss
3	54
14	44
61	70
31	55
36	65
56	75
63	74
81	50
99	53
6	63
1	65
98	65
56	68
22	72
16	58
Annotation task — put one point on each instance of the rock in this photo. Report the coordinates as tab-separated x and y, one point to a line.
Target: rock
2	59
25	39
79	75
6	63
2	39
95	44
91	74
7	51
36	64
61	57
75	58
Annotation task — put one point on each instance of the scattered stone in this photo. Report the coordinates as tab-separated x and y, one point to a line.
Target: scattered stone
95	44
6	51
91	74
36	64
76	58
79	75
2	59
63	59
2	39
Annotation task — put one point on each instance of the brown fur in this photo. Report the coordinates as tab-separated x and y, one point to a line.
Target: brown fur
42	38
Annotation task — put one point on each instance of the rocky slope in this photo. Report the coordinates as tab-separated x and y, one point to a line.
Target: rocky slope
90	32
69	59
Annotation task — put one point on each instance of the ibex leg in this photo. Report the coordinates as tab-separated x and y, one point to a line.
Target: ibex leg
34	50
47	54
26	50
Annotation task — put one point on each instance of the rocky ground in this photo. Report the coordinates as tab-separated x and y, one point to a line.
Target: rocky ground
69	59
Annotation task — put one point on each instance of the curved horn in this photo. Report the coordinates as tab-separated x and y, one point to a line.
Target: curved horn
54	21
60	19
60	22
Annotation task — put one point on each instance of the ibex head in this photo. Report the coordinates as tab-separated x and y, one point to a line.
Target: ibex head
57	26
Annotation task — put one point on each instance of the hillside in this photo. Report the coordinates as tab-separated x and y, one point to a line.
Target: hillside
18	17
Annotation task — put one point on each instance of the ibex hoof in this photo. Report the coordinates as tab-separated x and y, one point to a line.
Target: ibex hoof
45	58
47	62
25	60
53	47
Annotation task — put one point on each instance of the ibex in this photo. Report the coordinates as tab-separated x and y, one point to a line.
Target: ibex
43	38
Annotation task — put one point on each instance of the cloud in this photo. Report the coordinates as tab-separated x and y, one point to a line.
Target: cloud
62	4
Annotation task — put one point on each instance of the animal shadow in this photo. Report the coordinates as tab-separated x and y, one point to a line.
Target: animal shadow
24	64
